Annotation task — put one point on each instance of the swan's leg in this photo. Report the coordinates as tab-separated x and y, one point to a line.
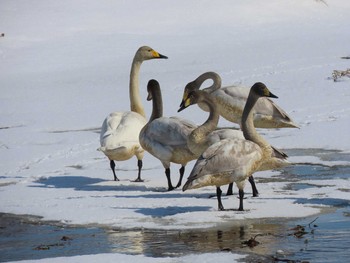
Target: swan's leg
254	189
230	189
167	173
139	164
241	195
182	171
112	165
218	195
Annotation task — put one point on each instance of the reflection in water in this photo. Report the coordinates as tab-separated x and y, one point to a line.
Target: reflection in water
128	242
161	243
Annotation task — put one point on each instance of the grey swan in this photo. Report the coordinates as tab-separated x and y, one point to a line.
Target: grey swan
207	133
235	160
166	137
231	100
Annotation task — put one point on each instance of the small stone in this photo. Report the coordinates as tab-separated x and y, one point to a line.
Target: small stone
65	238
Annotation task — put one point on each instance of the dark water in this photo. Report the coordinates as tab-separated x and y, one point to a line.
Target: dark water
25	238
323	238
327	239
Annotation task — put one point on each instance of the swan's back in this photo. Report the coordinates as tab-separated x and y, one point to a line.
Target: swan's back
171	131
224	133
198	145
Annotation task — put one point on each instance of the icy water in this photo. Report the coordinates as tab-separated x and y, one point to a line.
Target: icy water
322	238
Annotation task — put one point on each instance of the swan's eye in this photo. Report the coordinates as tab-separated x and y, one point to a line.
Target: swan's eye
192	96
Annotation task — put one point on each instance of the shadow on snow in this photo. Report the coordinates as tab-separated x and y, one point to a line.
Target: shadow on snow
81	183
171	210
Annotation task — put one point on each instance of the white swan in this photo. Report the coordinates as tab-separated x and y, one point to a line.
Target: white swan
119	137
166	138
234	160
231	100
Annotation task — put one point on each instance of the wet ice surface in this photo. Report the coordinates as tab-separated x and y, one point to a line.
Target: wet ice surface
326	237
25	240
28	238
326	240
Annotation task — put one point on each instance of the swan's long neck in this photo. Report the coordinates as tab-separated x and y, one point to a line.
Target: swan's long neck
209	75
157	102
248	127
198	139
211	123
134	92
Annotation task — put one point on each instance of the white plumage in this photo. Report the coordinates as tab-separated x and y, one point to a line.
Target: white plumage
119	137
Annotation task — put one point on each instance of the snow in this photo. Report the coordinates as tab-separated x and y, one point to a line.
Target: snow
65	66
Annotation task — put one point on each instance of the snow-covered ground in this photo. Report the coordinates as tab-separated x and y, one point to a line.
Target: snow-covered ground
65	65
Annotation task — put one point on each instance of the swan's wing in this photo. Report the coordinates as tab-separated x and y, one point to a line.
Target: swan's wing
223	162
267	114
265	106
230	154
186	125
166	139
120	129
238	95
233	98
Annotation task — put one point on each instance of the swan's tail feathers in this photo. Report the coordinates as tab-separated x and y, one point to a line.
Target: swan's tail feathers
287	122
188	185
281	158
279	154
184	188
106	149
114	149
290	123
285	119
101	149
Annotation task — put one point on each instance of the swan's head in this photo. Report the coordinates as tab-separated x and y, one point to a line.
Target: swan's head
152	88
190	87
193	97
146	53
259	89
